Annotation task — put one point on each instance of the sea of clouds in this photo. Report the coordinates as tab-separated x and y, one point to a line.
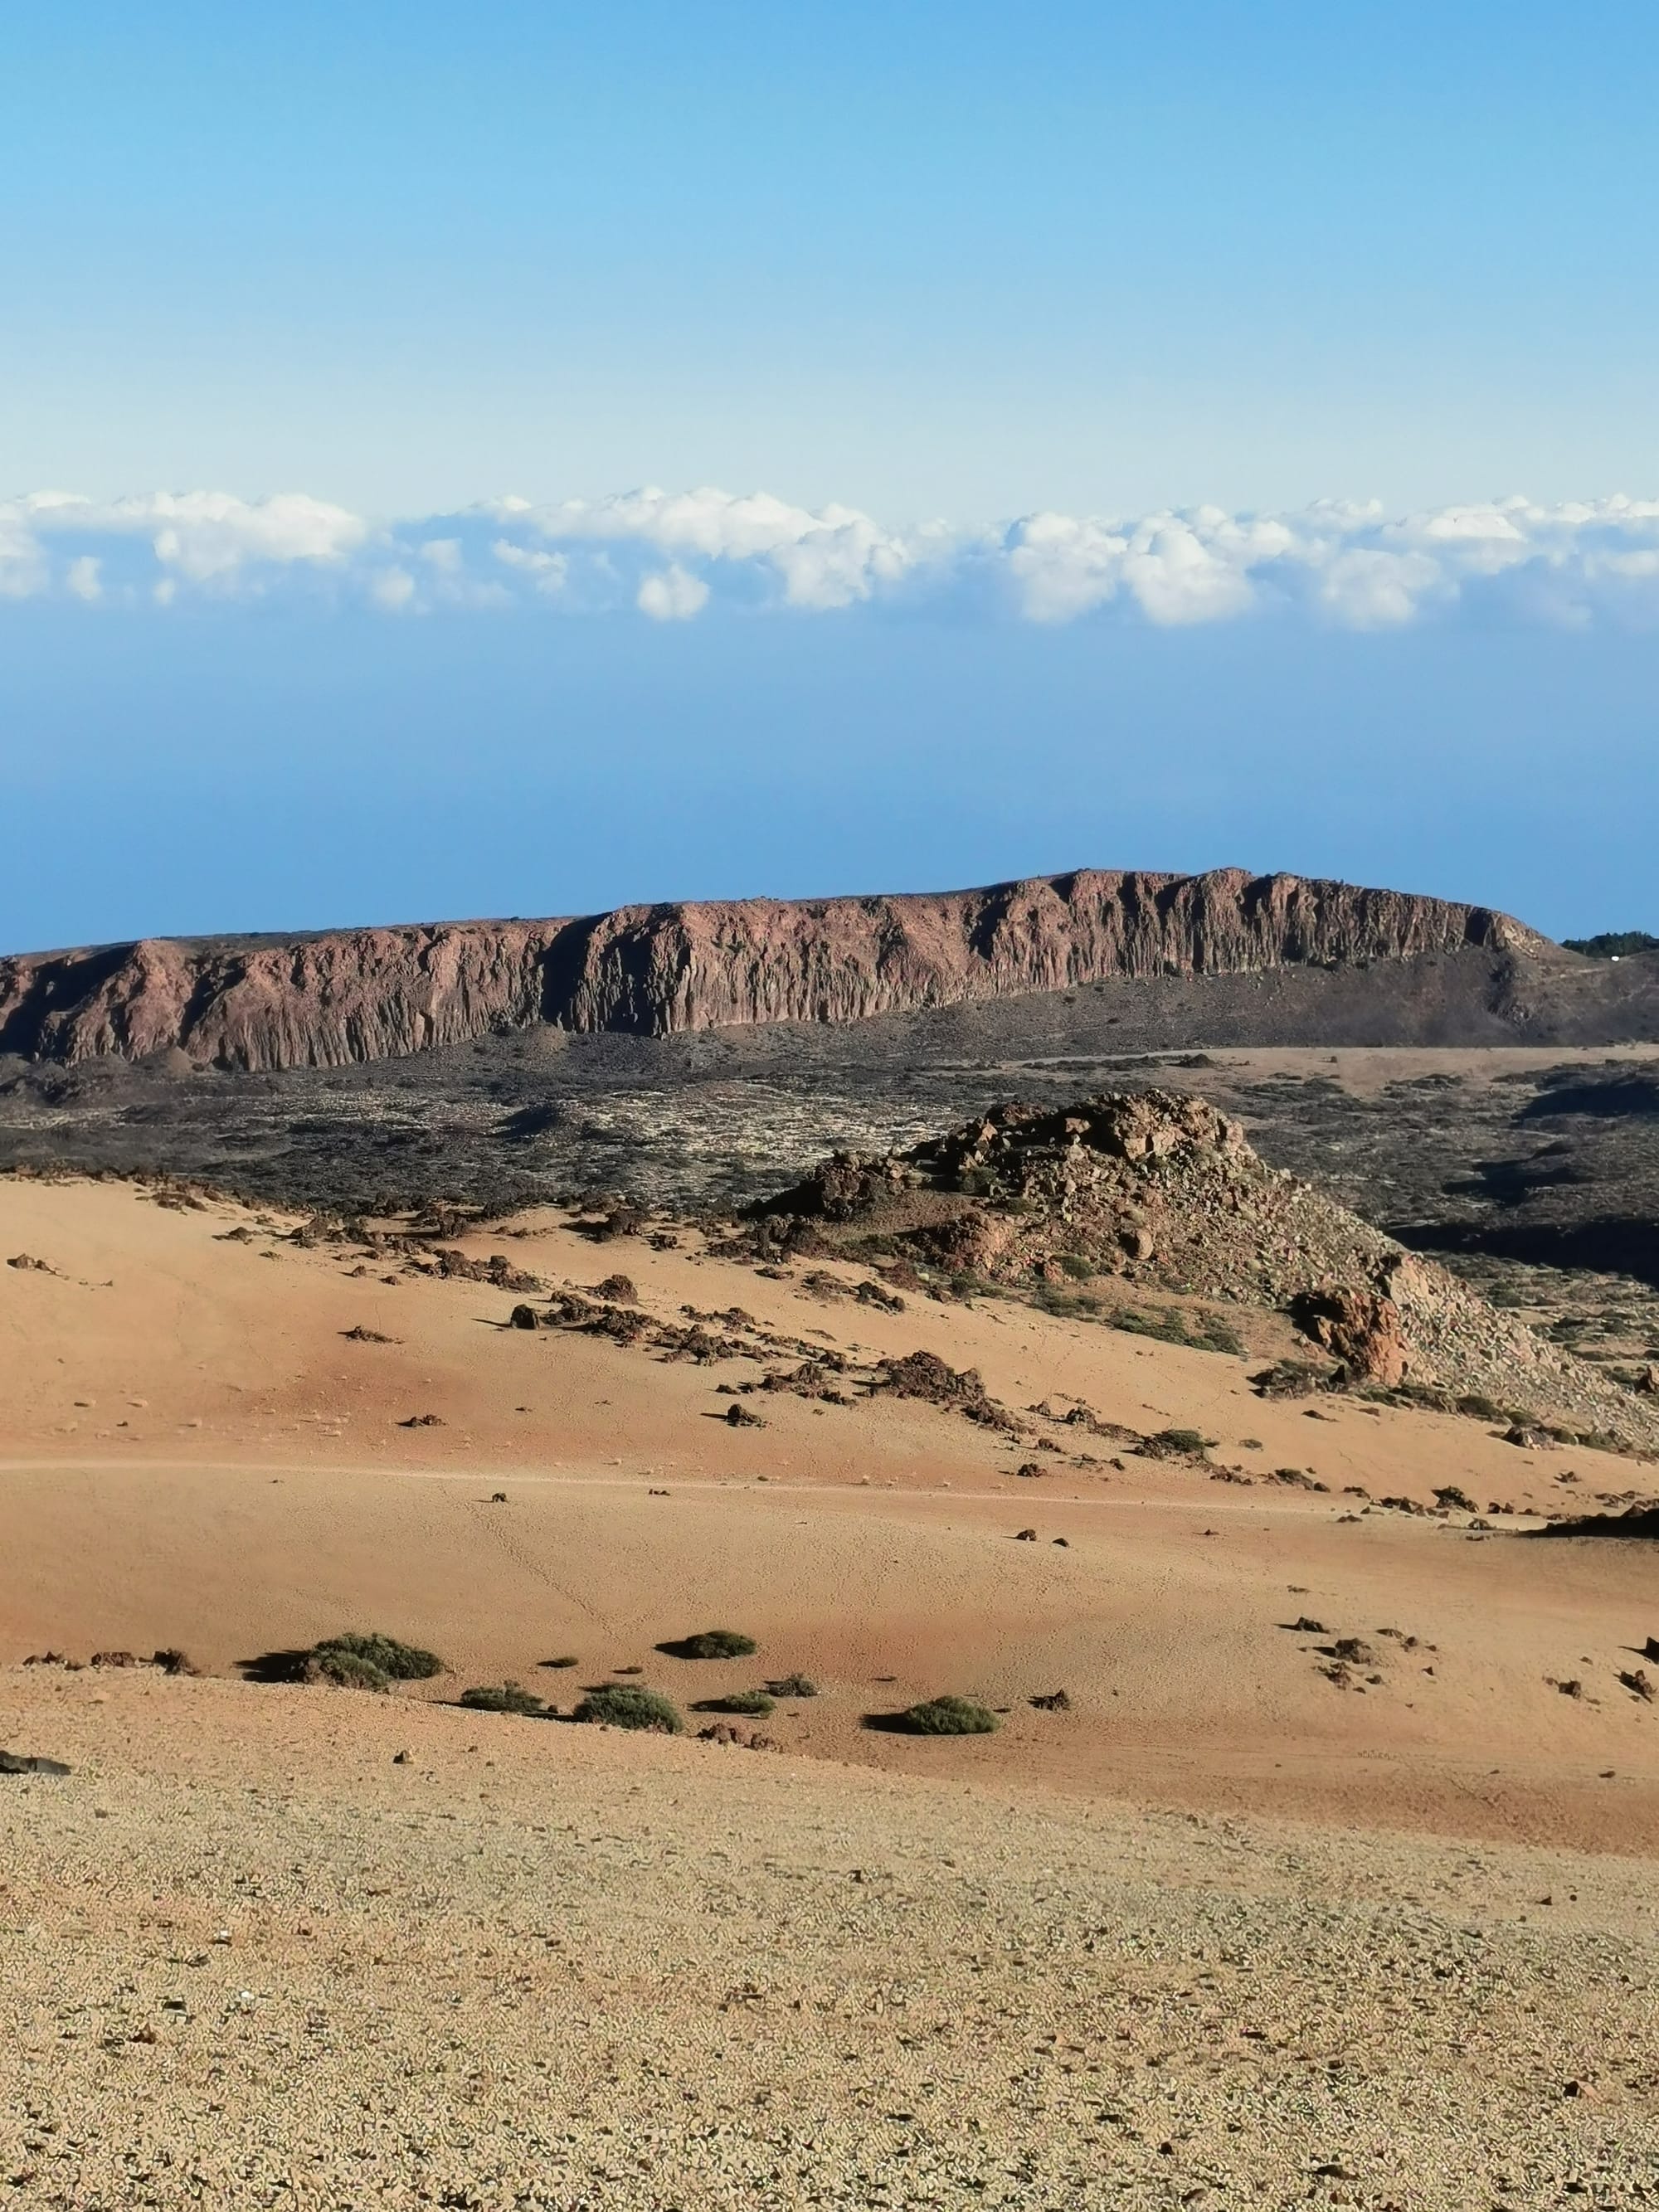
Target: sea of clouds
671	555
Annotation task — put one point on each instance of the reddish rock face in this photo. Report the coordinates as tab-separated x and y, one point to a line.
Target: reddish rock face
376	993
1362	1330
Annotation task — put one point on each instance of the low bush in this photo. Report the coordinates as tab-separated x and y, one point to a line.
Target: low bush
794	1685
398	1663
756	1704
344	1670
1199	1331
717	1644
565	1659
1175	1443
509	1698
950	1716
1479	1406
626	1705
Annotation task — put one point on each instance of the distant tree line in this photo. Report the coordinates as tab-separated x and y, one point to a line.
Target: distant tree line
1612	943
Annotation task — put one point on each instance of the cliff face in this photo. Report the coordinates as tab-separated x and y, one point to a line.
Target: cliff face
366	994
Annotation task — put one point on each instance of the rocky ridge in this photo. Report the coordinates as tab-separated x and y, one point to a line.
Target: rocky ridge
353	996
1160	1190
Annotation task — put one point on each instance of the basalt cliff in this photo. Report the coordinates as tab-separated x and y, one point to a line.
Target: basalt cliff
366	994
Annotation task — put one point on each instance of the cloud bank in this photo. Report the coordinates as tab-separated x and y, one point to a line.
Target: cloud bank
670	557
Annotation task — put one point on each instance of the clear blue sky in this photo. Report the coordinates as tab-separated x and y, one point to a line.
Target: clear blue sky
955	260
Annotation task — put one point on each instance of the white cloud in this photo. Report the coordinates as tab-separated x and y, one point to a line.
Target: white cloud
672	595
82	578
203	535
548	572
670	555
392	588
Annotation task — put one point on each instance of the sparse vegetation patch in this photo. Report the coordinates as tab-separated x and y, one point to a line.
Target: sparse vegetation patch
950	1716
626	1705
507	1697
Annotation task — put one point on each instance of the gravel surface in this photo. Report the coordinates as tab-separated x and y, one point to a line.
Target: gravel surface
246	1960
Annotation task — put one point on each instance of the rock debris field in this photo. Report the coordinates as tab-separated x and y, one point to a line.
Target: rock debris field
250	1958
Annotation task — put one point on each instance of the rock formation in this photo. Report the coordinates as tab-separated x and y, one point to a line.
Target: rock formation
363	994
1157	1190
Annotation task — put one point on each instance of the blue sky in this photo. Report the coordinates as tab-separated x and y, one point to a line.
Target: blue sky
1114	297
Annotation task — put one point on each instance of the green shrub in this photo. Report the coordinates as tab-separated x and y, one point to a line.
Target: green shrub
1077	1267
1175	1443
626	1705
1167	1326
398	1663
1215	1333
508	1699
794	1685
344	1670
950	1716
1200	1332
717	1643
754	1703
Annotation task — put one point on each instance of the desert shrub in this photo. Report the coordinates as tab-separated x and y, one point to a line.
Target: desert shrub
345	1670
398	1663
950	1716
509	1698
1167	1326
1175	1443
1201	1332
756	1704
1479	1406
717	1644
794	1685
626	1705
1077	1267
1215	1333
565	1659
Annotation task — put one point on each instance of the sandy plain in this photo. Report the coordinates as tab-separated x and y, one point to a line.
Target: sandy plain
1224	1932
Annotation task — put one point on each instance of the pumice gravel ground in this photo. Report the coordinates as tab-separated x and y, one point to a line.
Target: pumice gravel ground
249	1958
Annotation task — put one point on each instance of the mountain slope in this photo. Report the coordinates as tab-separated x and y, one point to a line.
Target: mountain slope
360	995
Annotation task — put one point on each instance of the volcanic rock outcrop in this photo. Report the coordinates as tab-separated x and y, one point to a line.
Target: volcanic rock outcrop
364	994
1162	1191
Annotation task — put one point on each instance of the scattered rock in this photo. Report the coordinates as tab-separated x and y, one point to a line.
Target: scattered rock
924	1375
